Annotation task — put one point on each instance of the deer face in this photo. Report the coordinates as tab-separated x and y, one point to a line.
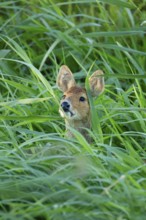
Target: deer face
74	104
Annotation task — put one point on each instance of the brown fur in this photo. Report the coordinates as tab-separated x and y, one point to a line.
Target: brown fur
78	114
76	90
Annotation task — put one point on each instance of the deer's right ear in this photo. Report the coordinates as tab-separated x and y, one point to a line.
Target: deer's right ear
65	79
96	82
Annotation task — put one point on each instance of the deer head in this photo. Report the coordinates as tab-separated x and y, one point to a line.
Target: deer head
74	105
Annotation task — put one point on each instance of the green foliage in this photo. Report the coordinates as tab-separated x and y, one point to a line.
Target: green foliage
43	175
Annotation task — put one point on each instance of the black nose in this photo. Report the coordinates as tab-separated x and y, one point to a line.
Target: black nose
65	106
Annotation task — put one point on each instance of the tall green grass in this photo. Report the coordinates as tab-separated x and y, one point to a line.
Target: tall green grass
44	176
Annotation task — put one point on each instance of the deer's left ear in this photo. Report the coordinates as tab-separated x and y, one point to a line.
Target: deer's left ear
65	79
96	82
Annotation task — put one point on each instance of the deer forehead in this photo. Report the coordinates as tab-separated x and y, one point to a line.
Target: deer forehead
75	91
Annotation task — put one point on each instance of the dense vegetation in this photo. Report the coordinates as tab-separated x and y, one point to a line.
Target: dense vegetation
44	176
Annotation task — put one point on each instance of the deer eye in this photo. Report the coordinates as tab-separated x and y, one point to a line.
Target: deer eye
82	99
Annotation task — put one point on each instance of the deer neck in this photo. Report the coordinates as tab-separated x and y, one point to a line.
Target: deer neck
78	125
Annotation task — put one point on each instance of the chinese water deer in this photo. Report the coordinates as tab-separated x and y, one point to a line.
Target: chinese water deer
74	105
